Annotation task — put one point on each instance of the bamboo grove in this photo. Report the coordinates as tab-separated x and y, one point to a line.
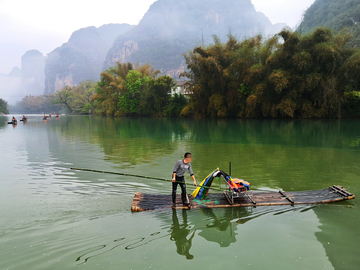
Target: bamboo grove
286	76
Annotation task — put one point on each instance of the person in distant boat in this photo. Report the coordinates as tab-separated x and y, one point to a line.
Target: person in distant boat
179	171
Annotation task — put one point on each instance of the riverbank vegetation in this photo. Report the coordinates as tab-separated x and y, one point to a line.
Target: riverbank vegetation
136	90
124	90
35	104
3	106
76	99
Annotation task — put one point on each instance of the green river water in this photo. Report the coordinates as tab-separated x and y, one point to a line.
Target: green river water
54	218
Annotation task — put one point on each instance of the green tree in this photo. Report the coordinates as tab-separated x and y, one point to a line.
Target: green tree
303	77
156	95
3	106
116	93
222	75
175	105
83	94
129	99
65	97
77	99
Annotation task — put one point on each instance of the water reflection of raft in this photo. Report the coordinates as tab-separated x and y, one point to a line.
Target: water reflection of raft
146	202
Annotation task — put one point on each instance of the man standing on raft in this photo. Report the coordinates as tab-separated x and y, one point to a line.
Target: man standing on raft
180	169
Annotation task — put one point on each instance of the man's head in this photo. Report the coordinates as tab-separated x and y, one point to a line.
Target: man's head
187	157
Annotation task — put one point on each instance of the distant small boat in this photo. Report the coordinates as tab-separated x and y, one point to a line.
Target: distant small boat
23	119
14	122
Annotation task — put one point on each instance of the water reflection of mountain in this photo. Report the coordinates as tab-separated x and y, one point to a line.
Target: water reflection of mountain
127	140
297	133
3	121
339	234
108	132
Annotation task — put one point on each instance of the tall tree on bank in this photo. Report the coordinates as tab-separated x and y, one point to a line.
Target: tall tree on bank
64	96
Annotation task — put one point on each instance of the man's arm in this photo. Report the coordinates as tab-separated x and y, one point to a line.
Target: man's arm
176	167
192	174
193	178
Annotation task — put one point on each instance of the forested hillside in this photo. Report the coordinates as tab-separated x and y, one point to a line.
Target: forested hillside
336	15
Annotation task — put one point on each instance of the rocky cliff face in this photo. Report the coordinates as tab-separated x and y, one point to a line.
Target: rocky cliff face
32	73
172	27
82	57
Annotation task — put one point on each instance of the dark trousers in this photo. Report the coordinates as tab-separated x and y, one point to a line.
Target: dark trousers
181	182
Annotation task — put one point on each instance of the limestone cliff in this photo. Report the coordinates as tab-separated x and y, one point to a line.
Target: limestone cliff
82	57
32	73
172	27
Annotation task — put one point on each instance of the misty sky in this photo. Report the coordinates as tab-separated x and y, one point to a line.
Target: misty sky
45	24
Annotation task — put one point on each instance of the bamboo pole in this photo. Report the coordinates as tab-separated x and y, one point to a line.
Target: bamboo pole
139	176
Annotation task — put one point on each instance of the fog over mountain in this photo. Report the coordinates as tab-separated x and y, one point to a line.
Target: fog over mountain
17	38
32	73
171	27
82	57
168	29
29	80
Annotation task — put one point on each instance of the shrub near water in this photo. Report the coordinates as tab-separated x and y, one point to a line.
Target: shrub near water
351	105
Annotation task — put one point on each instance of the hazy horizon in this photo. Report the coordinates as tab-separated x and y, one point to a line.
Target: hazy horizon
43	26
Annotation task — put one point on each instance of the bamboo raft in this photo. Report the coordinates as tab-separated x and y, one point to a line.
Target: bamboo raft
147	202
